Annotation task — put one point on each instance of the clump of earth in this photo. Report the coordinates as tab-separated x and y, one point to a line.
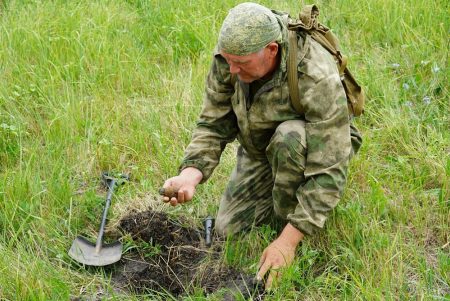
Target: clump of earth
175	261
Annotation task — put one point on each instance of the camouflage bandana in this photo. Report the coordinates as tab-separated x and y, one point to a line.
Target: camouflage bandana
248	28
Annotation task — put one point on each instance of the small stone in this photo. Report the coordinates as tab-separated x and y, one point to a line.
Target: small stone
435	69
169	192
427	100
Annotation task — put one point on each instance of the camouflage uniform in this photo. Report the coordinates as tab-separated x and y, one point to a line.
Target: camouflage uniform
290	164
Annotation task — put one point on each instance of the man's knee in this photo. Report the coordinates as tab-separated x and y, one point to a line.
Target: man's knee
287	147
290	136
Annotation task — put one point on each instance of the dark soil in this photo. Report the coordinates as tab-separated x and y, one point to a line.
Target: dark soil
176	261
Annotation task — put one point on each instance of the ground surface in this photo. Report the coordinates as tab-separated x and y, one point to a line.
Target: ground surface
174	260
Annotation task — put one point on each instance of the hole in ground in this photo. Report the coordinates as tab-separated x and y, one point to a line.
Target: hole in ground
173	260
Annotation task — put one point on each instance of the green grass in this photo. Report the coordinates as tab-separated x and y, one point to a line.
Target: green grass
88	86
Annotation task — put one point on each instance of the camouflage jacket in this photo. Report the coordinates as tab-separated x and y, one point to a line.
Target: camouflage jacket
227	115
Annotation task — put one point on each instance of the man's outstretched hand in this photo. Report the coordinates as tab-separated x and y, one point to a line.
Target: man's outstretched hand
279	254
181	188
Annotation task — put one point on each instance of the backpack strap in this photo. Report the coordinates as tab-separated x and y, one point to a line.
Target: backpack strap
292	72
308	20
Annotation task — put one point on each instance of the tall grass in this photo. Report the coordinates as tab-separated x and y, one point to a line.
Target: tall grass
88	86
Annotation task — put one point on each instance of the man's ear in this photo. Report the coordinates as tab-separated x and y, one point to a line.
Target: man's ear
273	49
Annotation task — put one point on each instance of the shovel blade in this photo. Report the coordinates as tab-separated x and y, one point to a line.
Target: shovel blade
83	251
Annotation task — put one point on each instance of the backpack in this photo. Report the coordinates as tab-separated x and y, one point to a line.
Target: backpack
308	23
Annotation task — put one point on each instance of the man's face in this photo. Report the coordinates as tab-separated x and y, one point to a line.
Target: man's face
253	66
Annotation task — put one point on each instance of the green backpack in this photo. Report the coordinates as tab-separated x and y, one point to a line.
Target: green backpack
309	23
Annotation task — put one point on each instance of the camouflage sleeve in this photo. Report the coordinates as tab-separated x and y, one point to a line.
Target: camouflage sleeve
217	123
328	144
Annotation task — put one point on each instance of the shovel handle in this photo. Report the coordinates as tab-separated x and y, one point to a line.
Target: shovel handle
111	184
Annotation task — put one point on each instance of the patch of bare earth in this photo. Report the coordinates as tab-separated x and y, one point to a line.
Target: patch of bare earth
176	261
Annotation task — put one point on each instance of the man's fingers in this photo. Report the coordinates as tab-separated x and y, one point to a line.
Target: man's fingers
272	279
175	196
173	201
268	285
168	192
262	259
262	271
180	196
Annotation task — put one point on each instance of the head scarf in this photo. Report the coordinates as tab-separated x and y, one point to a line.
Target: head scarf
248	28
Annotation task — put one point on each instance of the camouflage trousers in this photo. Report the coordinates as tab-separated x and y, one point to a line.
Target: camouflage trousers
264	188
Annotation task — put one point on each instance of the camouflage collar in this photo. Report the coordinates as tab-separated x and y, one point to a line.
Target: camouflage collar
283	18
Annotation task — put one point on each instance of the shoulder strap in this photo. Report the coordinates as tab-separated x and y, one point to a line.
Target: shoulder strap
292	72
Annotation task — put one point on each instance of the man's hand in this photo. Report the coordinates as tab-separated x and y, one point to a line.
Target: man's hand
280	253
182	186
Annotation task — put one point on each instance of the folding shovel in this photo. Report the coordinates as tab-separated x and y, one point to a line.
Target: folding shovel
99	254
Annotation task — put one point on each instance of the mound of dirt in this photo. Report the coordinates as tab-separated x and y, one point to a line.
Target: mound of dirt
176	261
